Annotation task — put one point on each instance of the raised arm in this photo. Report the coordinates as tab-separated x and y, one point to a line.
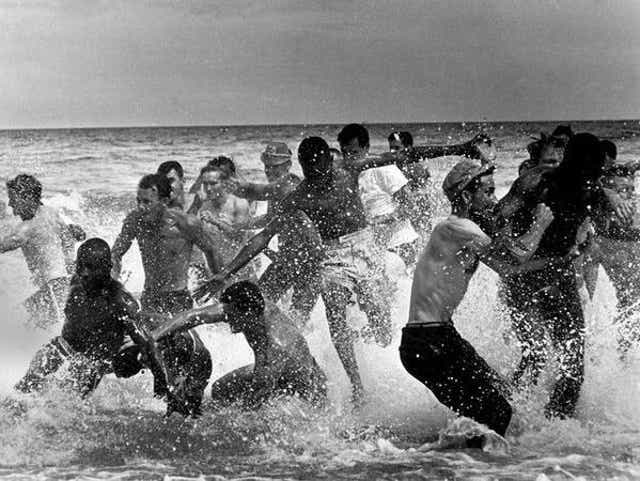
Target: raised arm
187	320
268	191
123	242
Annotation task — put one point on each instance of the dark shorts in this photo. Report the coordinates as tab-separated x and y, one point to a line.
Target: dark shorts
450	367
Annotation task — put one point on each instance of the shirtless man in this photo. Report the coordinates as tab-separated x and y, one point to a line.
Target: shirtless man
283	363
166	236
328	196
47	243
98	315
431	349
173	171
295	265
222	212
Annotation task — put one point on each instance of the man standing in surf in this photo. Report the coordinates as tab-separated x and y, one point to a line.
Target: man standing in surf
47	243
329	197
431	349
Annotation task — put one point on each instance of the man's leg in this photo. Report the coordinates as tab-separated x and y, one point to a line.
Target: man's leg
459	378
233	387
569	338
336	298
45	362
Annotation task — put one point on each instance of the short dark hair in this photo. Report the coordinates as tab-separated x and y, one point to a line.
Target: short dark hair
405	138
26	186
97	249
246	295
563	130
166	167
311	148
536	148
222	163
157	181
354	131
609	148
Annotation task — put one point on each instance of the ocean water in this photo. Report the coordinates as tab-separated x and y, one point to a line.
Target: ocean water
120	431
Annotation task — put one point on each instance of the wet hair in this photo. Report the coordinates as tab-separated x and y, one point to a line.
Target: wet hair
609	148
246	295
97	250
166	167
311	148
354	131
583	157
562	130
223	164
536	148
157	181
405	138
26	186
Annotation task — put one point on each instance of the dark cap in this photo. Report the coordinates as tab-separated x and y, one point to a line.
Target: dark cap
462	174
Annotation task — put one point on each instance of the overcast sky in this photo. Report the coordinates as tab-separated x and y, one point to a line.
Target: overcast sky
161	62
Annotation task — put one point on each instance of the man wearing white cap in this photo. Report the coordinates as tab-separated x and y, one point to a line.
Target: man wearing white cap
432	350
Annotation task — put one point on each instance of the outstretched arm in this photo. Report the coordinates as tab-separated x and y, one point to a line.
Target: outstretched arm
187	320
252	248
123	242
13	237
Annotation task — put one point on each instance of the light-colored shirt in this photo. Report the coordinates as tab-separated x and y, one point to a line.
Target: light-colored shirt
444	270
44	243
377	187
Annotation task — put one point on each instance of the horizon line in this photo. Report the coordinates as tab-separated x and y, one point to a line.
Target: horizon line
298	124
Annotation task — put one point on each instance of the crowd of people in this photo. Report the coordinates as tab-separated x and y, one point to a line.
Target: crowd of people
570	210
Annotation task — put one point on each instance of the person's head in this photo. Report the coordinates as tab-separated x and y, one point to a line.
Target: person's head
470	188
173	171
25	195
564	133
243	305
315	160
154	194
225	164
400	140
610	152
93	264
354	141
277	160
546	151
583	162
214	176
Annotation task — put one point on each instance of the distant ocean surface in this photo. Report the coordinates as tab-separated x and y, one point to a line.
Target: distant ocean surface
120	433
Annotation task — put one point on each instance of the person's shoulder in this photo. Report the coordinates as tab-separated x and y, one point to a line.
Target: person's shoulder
464	230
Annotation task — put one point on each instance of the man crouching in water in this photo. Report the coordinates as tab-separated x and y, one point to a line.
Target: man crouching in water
283	363
99	313
431	349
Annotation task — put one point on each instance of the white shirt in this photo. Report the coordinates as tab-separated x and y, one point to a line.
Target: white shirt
377	187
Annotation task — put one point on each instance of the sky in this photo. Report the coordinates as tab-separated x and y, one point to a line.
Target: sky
81	63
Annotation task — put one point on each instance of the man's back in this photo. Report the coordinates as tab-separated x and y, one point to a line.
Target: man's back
444	270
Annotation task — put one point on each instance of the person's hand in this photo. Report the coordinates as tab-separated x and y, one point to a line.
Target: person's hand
208	289
480	147
179	218
543	215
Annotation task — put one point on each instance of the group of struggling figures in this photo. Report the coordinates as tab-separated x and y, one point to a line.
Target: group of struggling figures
570	210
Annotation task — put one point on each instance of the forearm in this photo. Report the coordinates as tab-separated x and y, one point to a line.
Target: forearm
251	249
420	152
186	321
255	191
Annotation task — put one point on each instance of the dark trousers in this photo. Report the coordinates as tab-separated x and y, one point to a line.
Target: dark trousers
449	366
547	303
